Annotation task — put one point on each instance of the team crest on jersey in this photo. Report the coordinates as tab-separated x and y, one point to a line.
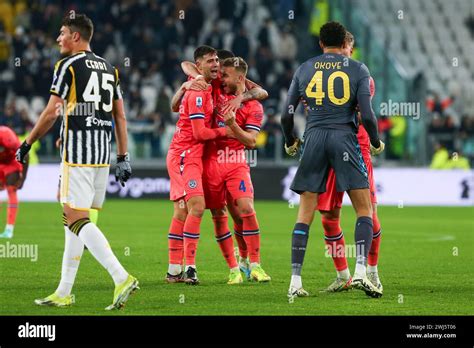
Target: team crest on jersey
199	102
192	184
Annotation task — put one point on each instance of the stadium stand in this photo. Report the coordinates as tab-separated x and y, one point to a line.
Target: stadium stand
148	53
428	59
436	39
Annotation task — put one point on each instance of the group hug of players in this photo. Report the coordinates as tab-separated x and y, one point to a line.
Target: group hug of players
217	116
218	111
224	113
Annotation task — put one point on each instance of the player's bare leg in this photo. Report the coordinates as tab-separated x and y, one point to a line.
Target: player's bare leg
224	239
12	182
360	199
242	252
175	272
308	202
335	244
251	233
80	224
191	233
372	270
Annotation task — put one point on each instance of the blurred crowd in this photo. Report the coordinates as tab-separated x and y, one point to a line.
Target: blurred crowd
451	133
146	41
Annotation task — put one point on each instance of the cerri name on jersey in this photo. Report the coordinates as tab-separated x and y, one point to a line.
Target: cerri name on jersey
92	64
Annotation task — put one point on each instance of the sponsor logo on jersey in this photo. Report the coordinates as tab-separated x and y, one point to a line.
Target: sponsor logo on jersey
97	122
221	124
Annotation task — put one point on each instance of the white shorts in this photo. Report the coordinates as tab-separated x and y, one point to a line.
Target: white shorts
83	188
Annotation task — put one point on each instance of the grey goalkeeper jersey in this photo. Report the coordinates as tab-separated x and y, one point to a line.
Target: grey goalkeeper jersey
330	85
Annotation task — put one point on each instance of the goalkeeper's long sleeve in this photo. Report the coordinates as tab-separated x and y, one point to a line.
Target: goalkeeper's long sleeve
287	119
368	118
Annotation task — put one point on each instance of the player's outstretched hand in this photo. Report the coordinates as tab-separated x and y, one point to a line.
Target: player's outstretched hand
123	171
293	149
22	151
377	150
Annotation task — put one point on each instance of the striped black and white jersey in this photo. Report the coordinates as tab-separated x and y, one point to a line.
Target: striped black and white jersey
88	84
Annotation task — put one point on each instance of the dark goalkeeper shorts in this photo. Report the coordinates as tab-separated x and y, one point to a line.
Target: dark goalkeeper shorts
330	148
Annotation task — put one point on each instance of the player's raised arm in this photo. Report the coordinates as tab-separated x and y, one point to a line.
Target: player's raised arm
254	91
367	113
198	84
190	69
195	85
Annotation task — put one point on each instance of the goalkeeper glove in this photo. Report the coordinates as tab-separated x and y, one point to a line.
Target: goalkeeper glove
377	150
22	151
123	170
293	149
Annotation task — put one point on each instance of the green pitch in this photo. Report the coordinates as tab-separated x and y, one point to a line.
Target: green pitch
425	265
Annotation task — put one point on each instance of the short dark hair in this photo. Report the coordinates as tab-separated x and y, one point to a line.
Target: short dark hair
238	63
224	54
332	34
79	23
201	51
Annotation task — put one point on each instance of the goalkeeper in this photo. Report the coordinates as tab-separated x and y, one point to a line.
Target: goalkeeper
331	85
